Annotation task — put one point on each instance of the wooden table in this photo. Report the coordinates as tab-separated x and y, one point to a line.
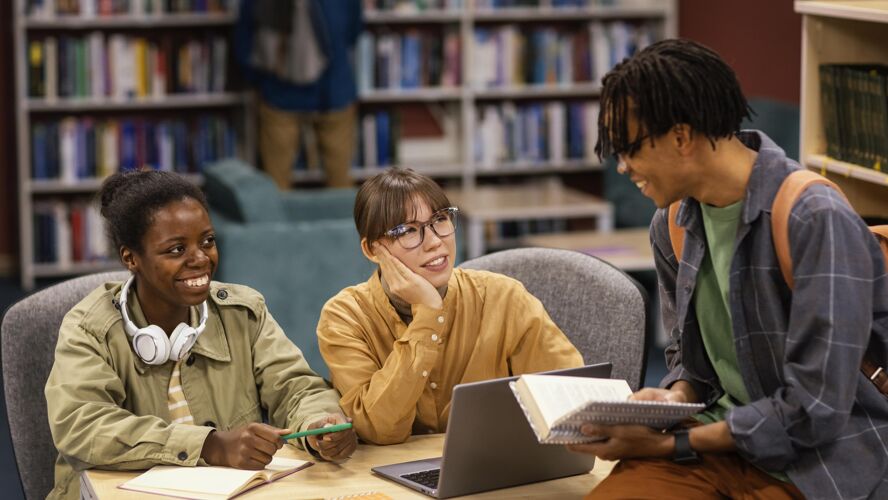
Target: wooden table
524	202
326	480
628	249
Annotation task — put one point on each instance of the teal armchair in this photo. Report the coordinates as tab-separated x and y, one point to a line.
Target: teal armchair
297	248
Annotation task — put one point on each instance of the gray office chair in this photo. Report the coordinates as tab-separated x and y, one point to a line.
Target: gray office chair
598	307
28	338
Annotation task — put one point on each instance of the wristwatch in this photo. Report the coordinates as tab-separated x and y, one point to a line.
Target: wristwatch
683	453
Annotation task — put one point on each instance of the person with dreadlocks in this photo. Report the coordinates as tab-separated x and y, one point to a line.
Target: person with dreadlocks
788	411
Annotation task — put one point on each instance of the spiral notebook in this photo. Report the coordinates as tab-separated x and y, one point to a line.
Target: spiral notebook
557	406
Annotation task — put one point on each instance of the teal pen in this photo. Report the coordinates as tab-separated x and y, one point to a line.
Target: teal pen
319	430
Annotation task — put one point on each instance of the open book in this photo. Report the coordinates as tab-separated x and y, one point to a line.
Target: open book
557	406
210	483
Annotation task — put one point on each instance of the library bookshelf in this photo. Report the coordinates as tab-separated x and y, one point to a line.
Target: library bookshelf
473	174
841	32
86	104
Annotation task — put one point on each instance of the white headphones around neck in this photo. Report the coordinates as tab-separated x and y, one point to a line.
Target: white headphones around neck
151	343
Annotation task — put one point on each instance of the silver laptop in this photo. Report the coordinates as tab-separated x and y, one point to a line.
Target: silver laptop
489	444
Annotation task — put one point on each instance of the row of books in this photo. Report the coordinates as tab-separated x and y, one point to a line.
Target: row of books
512	55
65	233
408	60
125	67
534	133
854	98
96	8
84	148
379	138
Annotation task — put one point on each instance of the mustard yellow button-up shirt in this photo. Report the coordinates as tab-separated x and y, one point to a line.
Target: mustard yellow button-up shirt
396	379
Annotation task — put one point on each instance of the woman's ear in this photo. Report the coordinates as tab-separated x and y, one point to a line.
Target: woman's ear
368	251
128	258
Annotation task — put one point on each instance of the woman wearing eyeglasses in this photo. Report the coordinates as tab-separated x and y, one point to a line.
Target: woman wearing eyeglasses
398	343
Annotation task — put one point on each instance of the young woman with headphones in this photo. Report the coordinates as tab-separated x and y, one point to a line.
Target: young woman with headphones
171	367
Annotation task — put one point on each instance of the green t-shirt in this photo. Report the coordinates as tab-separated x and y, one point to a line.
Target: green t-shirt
711	302
713	307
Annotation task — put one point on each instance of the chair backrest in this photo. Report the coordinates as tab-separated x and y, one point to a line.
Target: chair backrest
598	307
28	338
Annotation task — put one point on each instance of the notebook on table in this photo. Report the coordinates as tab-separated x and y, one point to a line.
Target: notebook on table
210	483
557	407
489	445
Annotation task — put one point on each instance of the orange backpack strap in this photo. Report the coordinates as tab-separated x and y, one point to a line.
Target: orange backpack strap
881	233
789	192
676	232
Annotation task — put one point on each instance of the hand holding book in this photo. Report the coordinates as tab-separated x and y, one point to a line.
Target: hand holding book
557	407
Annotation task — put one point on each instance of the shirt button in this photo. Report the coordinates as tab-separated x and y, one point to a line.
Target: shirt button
425	373
434	338
190	360
433	385
440	319
222	294
183	456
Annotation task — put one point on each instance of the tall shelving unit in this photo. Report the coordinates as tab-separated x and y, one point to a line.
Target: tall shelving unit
237	104
469	182
842	31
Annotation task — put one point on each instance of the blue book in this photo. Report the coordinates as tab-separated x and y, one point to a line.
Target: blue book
383	137
410	66
91	158
80	168
127	146
39	160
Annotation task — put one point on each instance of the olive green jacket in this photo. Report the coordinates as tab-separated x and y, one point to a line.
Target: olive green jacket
108	409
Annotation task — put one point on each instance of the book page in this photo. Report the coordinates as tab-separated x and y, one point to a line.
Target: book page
206	482
557	395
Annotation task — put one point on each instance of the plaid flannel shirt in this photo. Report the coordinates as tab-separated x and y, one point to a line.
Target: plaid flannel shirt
812	414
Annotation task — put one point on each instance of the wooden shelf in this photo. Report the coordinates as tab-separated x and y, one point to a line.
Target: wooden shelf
586	89
825	163
425	16
172	101
875	11
58	270
411	95
531	14
131	22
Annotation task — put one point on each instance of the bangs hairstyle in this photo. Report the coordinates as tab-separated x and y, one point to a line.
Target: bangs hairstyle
670	82
390	198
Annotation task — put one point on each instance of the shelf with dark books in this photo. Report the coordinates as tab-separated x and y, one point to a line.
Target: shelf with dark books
844	101
568	13
123	67
408	61
539	91
77	151
90	9
68	233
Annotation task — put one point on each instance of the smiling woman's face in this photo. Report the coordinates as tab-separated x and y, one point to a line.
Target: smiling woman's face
433	258
178	257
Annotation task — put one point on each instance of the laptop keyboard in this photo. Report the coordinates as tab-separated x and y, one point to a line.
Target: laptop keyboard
427	478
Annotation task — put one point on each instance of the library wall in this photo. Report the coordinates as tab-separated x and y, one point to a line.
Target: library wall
742	32
8	191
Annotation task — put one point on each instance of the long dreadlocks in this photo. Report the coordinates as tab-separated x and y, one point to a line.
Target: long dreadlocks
670	82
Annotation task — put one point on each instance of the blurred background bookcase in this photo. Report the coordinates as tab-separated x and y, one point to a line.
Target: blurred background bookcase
103	86
841	32
497	100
